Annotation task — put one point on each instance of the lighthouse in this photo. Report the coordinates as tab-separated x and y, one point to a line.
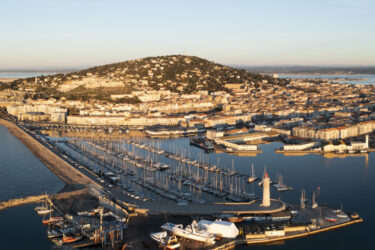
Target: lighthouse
266	191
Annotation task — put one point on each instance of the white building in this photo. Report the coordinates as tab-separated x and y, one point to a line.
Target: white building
266	202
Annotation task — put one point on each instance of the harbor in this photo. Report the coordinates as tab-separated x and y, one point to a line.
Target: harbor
140	174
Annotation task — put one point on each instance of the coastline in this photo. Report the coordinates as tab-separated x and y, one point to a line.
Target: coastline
72	178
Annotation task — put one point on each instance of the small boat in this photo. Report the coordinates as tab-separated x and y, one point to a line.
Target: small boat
57	241
71	239
54	233
170	242
164	167
284	188
252	178
235	219
39	208
44	211
330	219
342	215
52	220
354	215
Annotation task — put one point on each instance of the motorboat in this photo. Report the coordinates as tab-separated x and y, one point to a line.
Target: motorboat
331	219
192	232
44	211
235	219
54	233
162	238
52	220
71	238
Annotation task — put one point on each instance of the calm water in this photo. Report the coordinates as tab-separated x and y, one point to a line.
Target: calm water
23	74
22	174
367	79
347	181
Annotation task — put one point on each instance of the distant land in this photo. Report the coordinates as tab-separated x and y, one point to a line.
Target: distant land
176	73
312	70
42	69
281	69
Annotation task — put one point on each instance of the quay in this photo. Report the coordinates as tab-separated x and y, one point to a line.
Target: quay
301	234
230	208
325	154
281	151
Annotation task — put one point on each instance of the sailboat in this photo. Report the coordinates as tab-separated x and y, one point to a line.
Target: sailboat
252	177
43	209
280	186
314	203
51	219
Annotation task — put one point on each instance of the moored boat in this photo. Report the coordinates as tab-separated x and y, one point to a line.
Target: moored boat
162	238
44	211
235	219
192	232
70	239
52	220
54	233
252	178
331	219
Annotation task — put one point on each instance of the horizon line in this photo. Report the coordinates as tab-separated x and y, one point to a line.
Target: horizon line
73	68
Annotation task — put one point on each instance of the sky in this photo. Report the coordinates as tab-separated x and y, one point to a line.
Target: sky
36	34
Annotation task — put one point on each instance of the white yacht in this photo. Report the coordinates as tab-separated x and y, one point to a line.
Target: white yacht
170	242
192	232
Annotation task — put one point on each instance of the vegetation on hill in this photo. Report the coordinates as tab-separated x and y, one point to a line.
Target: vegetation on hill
182	74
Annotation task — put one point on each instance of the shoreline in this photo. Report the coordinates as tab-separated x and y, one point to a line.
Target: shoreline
73	180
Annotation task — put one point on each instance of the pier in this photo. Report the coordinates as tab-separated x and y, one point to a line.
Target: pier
245	241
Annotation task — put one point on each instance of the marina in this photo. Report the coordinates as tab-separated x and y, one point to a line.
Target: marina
195	125
115	162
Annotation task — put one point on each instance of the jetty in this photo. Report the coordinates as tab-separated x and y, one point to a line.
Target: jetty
46	154
39	198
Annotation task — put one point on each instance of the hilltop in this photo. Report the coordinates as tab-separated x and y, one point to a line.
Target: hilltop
176	73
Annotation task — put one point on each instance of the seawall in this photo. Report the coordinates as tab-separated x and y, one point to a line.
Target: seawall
66	172
39	198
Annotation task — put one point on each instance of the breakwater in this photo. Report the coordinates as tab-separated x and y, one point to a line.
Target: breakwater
66	172
39	198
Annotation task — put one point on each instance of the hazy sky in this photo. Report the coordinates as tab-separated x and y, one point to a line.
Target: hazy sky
69	33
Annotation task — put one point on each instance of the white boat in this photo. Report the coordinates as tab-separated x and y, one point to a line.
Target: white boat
39	208
164	167
220	228
192	232
252	178
44	211
54	233
342	215
170	242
